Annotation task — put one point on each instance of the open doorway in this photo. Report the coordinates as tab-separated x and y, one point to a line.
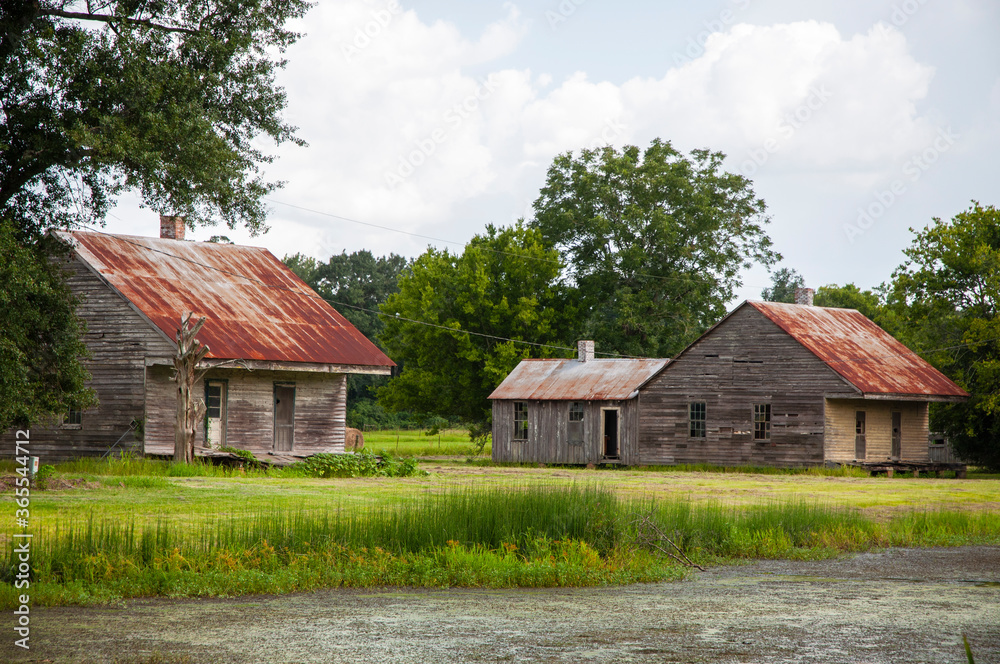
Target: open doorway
611	437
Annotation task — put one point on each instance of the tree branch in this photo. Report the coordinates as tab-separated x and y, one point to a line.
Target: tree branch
111	20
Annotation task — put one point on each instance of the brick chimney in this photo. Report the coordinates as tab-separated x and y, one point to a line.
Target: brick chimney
584	350
804	296
171	228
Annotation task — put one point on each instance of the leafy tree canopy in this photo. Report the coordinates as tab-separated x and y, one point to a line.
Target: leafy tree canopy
949	293
40	375
784	282
502	285
166	98
654	241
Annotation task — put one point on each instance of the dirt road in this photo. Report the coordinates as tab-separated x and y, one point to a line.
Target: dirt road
903	605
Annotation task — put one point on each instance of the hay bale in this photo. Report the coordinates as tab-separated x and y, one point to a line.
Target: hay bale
354	439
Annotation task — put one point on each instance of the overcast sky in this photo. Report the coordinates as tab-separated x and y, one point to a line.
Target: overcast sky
856	119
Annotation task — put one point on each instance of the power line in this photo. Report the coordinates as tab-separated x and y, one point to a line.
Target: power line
560	263
312	294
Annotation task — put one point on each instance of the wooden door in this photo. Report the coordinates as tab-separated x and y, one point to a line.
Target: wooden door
860	435
215	413
897	434
284	418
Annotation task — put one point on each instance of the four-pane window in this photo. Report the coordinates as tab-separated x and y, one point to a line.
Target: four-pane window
520	420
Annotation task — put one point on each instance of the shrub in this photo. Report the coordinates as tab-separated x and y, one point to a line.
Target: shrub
361	464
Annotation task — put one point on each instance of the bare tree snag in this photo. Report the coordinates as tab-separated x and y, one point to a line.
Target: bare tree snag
189	411
649	534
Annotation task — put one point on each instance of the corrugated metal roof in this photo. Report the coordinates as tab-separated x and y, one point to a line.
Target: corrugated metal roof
257	308
593	380
867	356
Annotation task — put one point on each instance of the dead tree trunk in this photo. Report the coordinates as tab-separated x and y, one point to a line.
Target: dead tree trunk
189	411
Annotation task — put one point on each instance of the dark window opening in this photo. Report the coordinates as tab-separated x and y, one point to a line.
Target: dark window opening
696	417
520	420
762	421
73	417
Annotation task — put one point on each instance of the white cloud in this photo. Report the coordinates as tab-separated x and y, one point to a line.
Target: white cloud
378	92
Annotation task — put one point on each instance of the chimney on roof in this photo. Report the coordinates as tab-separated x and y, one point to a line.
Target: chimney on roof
804	296
584	350
171	228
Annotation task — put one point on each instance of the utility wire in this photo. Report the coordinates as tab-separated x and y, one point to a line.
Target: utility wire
690	277
314	295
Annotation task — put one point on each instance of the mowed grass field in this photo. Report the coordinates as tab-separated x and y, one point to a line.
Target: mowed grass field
194	499
417	442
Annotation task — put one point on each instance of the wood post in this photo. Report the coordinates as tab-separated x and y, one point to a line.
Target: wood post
189	411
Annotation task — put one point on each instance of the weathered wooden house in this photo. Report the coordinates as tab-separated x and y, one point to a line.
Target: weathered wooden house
770	385
280	354
578	411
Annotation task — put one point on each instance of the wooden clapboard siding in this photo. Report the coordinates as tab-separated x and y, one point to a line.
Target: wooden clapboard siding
745	360
320	410
119	340
547	433
840	429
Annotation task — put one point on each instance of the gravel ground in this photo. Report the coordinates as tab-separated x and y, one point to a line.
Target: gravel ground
901	605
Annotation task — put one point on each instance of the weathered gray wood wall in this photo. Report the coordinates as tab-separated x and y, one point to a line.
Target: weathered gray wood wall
746	360
547	433
320	410
119	339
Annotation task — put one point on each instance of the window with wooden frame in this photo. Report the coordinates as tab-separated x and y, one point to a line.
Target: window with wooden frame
73	418
520	420
696	419
762	421
574	425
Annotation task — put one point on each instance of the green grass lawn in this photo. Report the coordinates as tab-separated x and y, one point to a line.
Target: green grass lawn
286	536
450	442
197	498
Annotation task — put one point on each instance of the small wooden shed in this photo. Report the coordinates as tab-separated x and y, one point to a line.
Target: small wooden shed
575	411
278	361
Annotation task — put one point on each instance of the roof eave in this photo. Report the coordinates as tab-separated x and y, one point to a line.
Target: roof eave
940	398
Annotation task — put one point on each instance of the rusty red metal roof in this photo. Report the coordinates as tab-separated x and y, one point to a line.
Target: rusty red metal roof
257	308
867	356
593	380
